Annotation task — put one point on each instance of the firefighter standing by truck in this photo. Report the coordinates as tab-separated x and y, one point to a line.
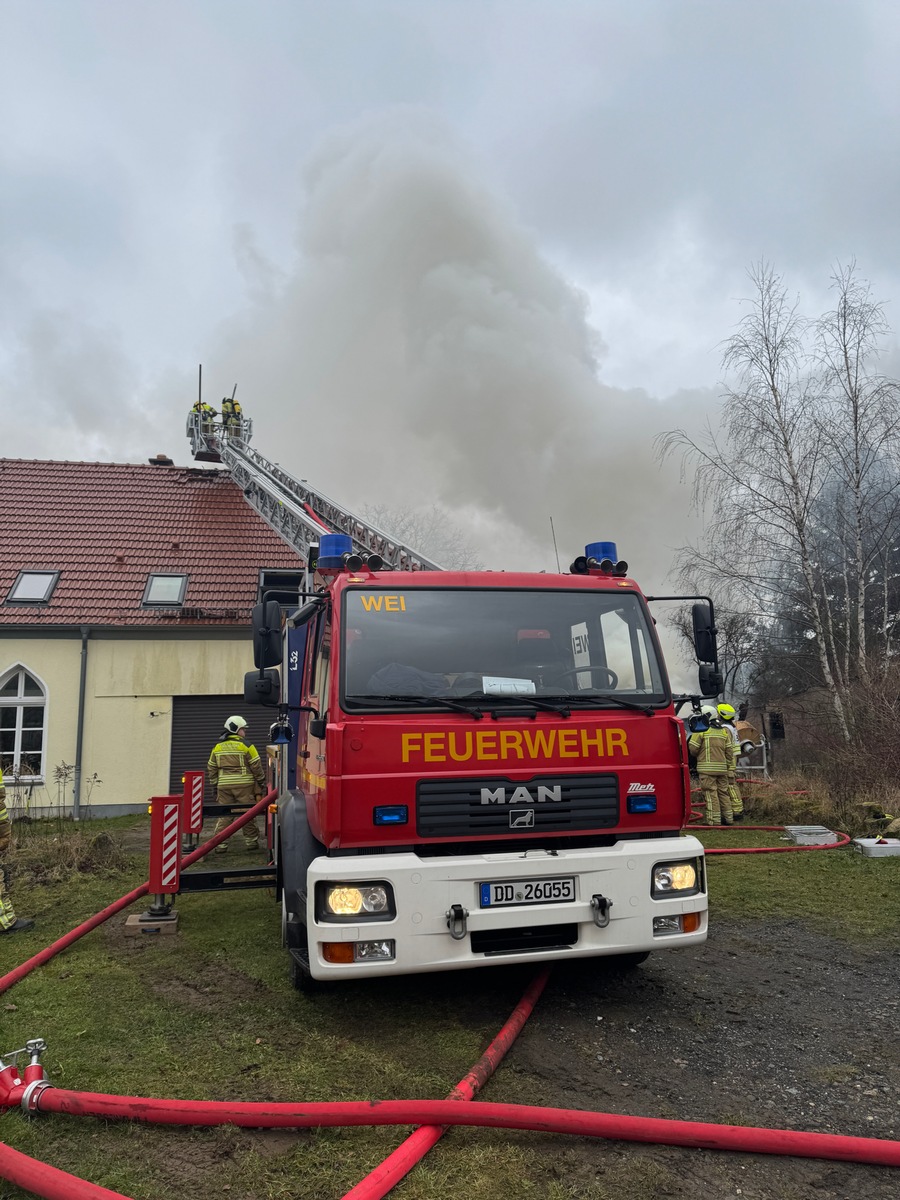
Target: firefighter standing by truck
714	751
9	922
238	776
727	715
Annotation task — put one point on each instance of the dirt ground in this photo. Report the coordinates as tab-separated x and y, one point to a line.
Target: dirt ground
769	1025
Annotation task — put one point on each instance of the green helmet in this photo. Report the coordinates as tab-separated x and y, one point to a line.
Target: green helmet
726	712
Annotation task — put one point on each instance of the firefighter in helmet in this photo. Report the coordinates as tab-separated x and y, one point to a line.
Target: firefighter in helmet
238	776
232	417
726	716
206	413
714	751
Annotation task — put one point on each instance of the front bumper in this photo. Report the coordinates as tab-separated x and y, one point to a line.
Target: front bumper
427	890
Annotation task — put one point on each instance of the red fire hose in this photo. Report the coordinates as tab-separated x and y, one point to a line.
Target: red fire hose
38	960
844	841
433	1116
698	1134
402	1160
44	1180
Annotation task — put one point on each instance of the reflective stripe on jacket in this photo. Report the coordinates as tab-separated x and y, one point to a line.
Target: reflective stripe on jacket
714	751
233	763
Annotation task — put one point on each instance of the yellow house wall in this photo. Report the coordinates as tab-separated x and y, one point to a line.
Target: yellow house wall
127	680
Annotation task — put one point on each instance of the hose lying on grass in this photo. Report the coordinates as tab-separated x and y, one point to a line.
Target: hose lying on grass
662	1131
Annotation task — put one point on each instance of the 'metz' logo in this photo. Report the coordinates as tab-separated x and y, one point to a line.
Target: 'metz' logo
640	787
521	795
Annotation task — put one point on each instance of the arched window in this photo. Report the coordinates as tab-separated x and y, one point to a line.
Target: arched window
23	707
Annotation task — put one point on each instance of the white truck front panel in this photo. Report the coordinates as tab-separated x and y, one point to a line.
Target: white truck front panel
425	890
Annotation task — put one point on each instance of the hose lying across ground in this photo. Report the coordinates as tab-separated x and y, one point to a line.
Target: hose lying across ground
432	1116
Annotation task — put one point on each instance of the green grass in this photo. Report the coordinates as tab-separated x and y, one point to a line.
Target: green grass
839	891
210	1014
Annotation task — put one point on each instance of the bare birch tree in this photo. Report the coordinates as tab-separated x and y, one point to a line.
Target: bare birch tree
758	479
861	424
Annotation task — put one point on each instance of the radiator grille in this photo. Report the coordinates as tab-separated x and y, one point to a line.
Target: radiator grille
488	807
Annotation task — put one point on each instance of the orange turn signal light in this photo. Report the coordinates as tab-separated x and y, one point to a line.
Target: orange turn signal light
337	952
690	922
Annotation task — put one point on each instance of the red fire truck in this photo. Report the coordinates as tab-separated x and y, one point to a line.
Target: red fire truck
489	769
475	767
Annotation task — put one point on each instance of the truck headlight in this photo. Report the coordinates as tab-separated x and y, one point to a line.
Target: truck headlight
683	878
357	900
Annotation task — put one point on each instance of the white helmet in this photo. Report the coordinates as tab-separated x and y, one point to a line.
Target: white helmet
710	712
235	724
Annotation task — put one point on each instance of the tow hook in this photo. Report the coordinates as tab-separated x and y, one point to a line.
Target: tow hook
456	921
600	906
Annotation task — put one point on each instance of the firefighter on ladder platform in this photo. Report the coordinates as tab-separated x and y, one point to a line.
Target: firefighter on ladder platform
232	417
206	413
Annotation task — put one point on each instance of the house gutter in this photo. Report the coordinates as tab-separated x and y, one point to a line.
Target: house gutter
79	742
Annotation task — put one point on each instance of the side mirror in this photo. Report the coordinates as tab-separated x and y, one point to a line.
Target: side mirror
704	635
262	687
711	681
267	634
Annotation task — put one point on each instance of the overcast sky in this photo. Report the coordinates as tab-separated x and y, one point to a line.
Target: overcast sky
475	253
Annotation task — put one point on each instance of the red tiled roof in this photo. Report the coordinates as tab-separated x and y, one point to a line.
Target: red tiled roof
107	526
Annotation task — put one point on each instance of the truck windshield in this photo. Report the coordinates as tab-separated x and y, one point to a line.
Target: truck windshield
449	643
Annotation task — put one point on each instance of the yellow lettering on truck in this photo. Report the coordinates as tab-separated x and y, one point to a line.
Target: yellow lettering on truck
489	745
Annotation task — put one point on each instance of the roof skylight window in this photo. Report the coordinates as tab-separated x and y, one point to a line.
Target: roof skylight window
165	591
33	587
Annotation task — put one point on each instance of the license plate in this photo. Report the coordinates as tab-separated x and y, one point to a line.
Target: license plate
527	891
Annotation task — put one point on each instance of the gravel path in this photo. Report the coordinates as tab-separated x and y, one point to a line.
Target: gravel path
771	1025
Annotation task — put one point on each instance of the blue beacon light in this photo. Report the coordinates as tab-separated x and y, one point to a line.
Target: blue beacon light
601	550
332	548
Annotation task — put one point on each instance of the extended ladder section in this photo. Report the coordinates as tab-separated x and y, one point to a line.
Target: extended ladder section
296	511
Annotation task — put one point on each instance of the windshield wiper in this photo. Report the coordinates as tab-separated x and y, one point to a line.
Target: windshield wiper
600	698
561	706
422	701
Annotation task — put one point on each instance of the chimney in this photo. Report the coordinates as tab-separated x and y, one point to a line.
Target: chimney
161	460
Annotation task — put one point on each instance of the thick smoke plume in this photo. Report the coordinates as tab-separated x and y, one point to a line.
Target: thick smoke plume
420	351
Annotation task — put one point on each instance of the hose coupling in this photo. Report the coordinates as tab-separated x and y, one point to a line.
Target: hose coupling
456	921
31	1095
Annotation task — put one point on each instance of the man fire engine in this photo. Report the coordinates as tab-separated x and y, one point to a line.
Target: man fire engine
489	770
488	766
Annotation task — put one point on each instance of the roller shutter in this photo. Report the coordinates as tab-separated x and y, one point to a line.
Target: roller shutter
197	723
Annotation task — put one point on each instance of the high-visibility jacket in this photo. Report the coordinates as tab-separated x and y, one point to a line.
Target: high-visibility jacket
736	741
233	763
714	751
5	825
